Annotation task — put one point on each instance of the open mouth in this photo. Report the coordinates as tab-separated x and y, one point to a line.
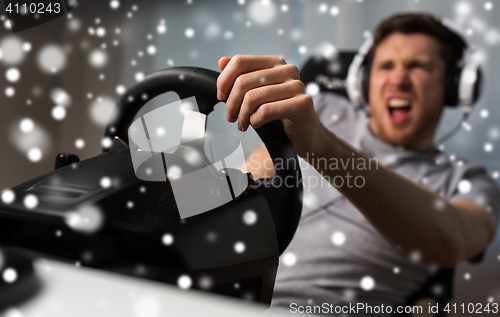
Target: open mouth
399	110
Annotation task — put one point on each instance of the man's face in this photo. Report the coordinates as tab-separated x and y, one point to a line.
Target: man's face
407	89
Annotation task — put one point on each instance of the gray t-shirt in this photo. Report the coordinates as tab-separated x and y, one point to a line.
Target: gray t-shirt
336	254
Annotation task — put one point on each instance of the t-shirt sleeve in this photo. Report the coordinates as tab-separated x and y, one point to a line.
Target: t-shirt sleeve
475	184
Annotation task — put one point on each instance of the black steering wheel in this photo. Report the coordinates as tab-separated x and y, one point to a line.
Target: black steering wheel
283	191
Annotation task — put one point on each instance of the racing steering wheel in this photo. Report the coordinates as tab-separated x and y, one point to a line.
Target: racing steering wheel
283	192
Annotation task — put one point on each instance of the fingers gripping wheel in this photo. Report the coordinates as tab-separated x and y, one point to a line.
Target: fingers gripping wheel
283	192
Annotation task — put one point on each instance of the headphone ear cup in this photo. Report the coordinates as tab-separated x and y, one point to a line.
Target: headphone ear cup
452	81
478	86
365	80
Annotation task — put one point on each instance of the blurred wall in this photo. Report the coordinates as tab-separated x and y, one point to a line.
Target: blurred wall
78	65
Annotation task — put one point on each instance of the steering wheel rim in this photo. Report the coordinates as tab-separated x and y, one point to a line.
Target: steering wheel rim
285	201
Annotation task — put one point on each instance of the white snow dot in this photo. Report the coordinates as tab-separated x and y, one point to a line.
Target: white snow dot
488	6
58	113
98	58
60	97
262	12
367	283
100	32
106	142
334	11
184	282
464	186
30	201
189	32
58	233
338	238
151	49
170	62
323	8
302	49
160	131
26	125
205	282
284	7
142	189
52	58
167	239
120	90
130	204
8	196
161	29
12	50
9	275
79	143
174	172
26	46
488	147
495	174
239	247
415	256
484	113
289	259
439	204
463	8
35	154
312	89
396	270
467	276
12	74
139	76
241	2
494	133
105	182
114	4
466	126
250	217
491	299
87	218
228	35
10	92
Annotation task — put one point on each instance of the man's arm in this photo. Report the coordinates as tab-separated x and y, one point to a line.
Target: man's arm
409	215
261	89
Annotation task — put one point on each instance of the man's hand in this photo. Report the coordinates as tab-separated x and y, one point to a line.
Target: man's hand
261	89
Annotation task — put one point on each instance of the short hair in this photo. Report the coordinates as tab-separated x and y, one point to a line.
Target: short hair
452	45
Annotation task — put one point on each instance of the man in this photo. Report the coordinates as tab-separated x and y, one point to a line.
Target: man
374	242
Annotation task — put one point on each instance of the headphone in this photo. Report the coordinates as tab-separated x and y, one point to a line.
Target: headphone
462	84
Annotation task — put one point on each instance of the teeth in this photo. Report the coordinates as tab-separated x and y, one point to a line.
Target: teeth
398	103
